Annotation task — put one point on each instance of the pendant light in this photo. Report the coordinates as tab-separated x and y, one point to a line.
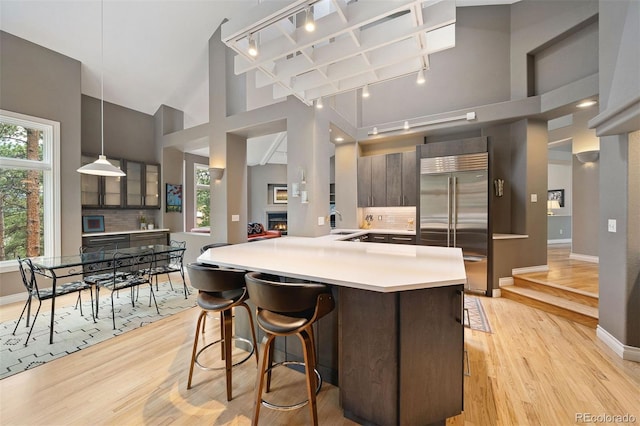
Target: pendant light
365	91
253	46
102	166
420	79
309	22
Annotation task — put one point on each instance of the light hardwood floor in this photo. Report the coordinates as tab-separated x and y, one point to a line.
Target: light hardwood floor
566	272
535	369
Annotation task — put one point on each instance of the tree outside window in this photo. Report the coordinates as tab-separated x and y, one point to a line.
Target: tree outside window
26	187
203	196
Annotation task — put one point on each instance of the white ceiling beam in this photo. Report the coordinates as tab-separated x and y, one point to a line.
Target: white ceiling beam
272	148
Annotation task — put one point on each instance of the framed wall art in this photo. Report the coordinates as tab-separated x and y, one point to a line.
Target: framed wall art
174	198
280	195
556	195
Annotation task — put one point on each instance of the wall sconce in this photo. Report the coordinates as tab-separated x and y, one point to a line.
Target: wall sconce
588	156
216	173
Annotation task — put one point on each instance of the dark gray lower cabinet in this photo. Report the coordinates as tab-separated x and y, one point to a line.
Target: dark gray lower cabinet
106	241
401	355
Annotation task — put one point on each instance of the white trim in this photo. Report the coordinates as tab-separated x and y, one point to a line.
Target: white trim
584	257
505	281
629	353
530	269
559	241
13	298
496	292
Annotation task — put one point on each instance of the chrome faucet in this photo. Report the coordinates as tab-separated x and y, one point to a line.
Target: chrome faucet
338	214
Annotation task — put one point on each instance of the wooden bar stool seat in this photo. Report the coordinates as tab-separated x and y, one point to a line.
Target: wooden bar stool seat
286	309
220	290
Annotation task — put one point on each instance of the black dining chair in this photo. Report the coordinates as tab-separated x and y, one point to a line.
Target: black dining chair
28	273
171	262
129	271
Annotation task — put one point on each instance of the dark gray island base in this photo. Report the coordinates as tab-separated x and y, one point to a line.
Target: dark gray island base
395	344
401	355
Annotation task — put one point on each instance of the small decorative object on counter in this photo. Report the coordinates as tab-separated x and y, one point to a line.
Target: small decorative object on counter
150	226
410	222
143	222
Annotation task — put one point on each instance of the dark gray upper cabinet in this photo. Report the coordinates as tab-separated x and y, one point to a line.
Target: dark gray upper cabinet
409	177
372	176
387	180
142	185
394	180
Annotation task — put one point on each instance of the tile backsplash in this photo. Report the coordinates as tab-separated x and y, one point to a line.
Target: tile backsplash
124	220
389	217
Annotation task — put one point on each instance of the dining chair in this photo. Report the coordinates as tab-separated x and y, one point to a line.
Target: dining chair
171	262
129	271
28	273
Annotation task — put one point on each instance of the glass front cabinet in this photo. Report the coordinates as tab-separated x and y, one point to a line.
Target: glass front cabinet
101	191
142	185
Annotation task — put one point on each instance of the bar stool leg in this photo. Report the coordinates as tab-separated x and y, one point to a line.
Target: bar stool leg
227	324
261	374
270	364
307	346
195	347
253	331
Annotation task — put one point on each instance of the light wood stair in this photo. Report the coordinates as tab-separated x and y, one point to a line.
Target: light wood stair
576	305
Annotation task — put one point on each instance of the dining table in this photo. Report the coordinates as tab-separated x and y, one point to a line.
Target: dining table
61	267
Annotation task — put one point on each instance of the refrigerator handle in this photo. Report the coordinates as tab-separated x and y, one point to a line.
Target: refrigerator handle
454	202
448	211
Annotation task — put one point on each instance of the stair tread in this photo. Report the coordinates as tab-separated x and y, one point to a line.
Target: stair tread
554	300
557	286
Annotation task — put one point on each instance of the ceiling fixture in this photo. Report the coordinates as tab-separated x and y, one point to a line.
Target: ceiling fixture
355	43
319	103
420	78
102	166
365	91
587	103
375	131
253	46
406	125
339	139
309	22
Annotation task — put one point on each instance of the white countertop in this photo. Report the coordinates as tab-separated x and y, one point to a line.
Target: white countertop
137	231
367	266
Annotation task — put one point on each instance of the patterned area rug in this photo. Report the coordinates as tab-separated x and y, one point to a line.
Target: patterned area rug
73	332
474	315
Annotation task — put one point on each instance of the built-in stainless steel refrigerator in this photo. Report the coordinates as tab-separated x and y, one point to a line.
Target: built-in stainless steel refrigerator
453	209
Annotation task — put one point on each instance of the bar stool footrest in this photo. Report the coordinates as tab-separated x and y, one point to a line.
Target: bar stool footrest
204	367
292	406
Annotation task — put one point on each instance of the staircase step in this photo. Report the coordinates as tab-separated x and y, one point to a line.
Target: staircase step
569	309
579	296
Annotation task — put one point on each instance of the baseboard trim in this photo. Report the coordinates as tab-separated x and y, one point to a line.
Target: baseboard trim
562	241
629	353
496	292
13	298
530	269
584	257
505	281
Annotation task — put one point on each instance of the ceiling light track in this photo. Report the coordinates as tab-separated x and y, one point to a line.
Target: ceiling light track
406	125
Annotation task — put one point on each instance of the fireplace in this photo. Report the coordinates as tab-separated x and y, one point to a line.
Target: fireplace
277	221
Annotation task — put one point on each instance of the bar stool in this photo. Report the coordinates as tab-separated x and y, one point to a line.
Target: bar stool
220	290
285	309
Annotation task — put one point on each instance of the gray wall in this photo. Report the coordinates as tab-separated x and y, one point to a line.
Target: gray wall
260	200
173	172
559	228
619	177
475	72
41	83
127	133
586	207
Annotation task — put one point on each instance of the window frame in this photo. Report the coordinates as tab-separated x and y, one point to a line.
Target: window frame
50	167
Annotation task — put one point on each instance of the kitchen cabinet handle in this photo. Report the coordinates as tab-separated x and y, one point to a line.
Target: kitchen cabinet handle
401	238
377	237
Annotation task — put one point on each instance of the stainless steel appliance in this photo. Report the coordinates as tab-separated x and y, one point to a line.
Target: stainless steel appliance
453	209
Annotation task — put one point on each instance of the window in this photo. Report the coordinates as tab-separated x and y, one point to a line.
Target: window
29	188
203	196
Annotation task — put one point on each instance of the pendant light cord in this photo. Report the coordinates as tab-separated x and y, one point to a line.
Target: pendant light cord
102	75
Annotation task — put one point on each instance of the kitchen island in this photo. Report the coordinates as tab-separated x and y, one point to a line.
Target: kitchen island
400	335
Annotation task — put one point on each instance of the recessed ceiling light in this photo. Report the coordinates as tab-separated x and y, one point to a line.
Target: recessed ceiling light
420	78
339	139
586	104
